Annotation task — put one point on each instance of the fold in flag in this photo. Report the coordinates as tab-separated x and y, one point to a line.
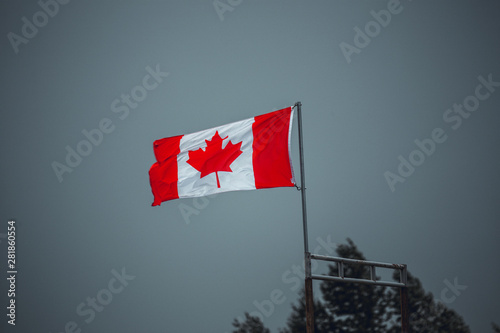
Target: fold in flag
245	155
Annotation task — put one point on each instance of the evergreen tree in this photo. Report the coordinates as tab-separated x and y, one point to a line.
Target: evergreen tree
297	320
426	315
352	307
345	307
250	325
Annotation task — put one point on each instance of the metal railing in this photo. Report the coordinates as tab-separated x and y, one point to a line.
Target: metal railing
372	265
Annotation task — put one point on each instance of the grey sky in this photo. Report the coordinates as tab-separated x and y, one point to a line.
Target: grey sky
361	111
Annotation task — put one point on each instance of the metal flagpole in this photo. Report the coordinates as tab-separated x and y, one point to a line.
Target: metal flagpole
307	254
403	283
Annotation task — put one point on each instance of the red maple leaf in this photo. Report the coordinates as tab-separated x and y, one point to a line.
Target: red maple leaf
214	158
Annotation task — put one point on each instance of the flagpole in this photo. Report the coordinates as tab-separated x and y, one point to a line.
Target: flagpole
307	254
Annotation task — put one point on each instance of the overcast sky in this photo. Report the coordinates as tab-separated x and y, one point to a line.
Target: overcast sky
400	114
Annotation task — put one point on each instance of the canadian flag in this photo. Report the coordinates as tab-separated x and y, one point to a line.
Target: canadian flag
245	155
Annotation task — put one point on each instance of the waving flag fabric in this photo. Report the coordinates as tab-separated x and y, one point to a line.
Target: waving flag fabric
245	155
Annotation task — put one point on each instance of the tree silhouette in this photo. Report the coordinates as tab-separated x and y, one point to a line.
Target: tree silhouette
296	322
426	314
250	325
352	307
